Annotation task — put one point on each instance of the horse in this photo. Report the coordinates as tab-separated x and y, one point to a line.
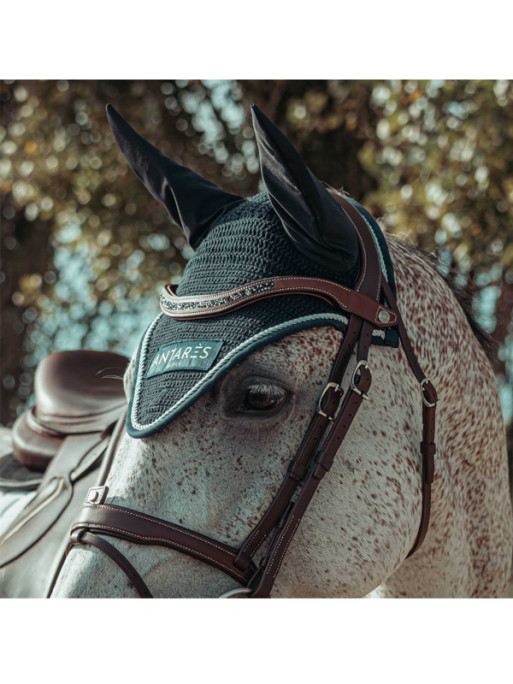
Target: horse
216	465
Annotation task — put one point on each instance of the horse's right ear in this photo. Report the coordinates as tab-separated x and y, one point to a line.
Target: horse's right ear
193	202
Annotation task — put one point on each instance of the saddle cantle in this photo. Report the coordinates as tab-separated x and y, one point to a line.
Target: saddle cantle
76	392
79	399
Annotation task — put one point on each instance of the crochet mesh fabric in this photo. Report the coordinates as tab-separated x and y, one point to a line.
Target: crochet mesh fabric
248	243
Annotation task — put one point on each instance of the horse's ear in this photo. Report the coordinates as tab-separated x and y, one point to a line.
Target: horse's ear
193	202
313	220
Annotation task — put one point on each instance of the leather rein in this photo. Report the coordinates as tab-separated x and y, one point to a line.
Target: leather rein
316	453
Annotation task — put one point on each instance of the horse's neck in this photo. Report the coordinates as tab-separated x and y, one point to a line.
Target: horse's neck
471	513
447	349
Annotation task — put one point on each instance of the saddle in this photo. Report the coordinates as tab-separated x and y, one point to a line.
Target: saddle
76	393
58	446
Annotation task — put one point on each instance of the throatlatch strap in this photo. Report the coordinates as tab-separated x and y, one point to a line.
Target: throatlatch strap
429	401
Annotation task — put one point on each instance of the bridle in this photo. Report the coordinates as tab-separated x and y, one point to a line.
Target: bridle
327	430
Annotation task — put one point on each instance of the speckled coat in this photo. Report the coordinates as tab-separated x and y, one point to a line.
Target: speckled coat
216	473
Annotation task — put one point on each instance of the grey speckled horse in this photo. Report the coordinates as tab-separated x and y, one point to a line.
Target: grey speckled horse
215	467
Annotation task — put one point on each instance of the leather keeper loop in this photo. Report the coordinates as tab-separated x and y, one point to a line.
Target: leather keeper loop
323	465
75	538
296	471
242	561
428	449
319	471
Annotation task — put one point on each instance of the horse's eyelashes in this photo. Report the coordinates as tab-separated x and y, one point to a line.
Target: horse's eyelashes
262	397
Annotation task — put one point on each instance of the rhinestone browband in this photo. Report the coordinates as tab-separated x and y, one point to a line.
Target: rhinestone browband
184	304
203	306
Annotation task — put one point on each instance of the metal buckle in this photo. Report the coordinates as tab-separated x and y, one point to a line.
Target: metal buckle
336	388
360	364
427	403
234	592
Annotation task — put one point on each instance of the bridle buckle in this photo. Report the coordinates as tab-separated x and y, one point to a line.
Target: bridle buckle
354	387
336	388
427	403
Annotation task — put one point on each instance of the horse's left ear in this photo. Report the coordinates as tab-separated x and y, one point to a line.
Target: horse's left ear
313	220
193	202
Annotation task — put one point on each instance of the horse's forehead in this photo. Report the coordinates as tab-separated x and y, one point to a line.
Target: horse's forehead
303	351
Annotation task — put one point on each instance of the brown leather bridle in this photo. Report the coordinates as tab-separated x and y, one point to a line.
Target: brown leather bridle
316	453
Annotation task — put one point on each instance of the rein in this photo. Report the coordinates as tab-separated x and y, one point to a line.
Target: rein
327	430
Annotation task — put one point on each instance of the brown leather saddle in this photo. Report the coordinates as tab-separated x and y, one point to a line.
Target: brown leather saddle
58	446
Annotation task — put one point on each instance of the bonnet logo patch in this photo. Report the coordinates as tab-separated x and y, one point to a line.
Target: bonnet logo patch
185	355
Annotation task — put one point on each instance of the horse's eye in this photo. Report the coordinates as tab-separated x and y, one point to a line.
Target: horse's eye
263	397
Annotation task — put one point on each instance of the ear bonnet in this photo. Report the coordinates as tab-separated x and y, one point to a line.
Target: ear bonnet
294	228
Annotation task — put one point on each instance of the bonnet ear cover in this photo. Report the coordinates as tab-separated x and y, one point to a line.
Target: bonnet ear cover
178	361
193	202
313	220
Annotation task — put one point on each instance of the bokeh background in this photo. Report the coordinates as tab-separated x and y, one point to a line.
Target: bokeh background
85	249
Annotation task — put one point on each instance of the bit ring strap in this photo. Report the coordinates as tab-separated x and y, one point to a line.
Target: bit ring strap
317	451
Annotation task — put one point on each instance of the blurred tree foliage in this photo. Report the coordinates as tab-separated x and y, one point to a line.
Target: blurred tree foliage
85	248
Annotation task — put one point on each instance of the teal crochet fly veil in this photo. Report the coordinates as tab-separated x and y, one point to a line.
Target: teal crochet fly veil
293	228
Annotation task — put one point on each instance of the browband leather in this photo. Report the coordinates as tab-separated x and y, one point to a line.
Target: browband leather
351	301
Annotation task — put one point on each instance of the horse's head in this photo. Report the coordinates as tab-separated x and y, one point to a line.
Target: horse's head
220	405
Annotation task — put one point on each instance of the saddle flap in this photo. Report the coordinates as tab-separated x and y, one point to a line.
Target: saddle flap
53	495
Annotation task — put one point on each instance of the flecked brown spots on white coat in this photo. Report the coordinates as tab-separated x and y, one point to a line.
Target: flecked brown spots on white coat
217	475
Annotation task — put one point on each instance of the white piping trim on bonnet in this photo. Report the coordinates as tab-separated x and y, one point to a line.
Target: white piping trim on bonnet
216	368
378	247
